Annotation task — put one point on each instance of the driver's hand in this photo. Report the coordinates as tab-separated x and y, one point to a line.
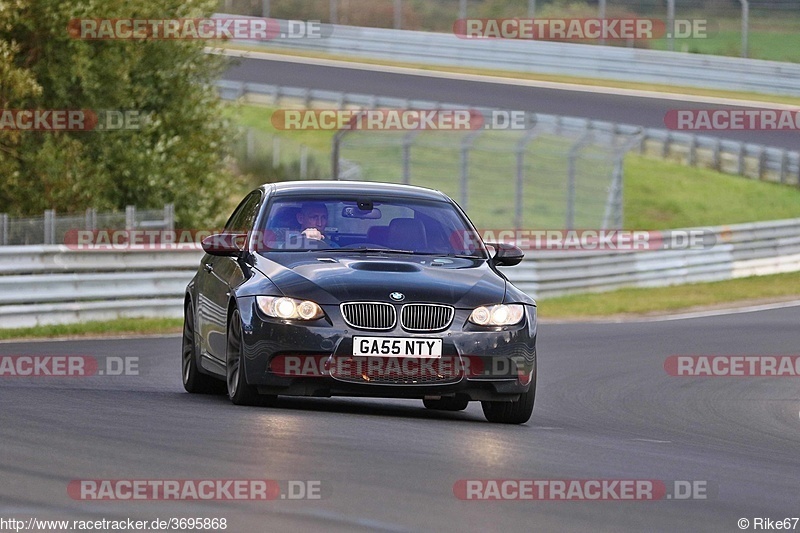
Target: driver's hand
313	233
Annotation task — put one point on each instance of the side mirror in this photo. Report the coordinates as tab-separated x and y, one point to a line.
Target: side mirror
224	244
506	254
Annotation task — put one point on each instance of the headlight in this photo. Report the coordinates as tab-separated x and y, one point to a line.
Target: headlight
497	315
289	308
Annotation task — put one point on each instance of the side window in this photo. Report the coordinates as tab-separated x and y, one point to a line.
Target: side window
244	216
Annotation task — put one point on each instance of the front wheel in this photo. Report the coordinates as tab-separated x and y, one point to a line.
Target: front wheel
517	412
239	392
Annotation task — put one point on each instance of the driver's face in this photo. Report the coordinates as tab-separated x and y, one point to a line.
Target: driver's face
313	218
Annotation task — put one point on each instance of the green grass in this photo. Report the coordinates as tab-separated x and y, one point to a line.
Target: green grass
675	298
122	326
657	194
663	195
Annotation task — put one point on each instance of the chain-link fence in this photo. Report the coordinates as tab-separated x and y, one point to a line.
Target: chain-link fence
52	228
555	174
270	157
764	29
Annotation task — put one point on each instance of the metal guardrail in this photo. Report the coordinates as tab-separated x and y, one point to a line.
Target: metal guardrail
749	160
51	284
54	284
571	59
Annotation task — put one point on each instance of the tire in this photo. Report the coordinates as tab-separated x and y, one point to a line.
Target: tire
517	412
458	403
194	381
239	392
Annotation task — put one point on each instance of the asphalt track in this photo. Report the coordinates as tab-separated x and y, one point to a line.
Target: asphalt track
606	408
636	110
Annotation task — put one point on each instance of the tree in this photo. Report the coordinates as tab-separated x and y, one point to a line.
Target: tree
177	156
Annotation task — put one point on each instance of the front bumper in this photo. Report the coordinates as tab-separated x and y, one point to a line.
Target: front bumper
488	363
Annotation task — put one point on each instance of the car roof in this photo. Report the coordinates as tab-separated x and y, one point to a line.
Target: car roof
333	187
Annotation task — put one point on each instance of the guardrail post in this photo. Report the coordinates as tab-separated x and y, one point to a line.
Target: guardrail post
692	157
784	165
49	226
665	147
739	159
4	229
716	160
130	217
762	155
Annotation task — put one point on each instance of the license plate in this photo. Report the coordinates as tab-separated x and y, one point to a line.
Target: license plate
397	347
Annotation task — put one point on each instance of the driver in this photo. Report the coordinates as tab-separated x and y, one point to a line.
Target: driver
313	219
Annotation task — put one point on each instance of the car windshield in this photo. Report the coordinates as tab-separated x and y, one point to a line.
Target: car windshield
389	225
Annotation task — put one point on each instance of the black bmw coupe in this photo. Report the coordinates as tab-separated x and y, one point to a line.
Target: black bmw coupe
335	288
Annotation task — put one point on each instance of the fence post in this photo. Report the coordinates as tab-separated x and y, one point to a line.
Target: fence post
571	178
303	161
531	9
670	25
462	9
739	160
276	152
251	144
3	229
91	219
745	25
398	14
784	165
169	217
50	226
601	14
692	157
334	11
265	8
519	189
466	146
130	217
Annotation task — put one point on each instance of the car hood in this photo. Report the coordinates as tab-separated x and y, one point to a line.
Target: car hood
341	277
